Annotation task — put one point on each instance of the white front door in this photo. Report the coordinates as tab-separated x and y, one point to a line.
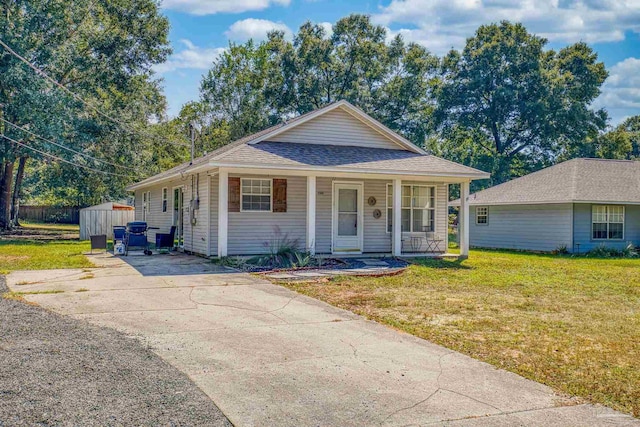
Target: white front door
347	217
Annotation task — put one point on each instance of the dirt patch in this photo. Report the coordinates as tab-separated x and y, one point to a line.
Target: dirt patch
11	258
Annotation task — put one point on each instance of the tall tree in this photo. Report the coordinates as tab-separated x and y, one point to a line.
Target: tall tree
101	50
254	85
524	104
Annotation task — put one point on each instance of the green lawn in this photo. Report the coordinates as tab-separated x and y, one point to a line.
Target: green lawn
42	249
571	323
62	228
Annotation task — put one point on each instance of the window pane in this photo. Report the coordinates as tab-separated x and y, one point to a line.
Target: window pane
406	196
599	214
421	197
406	220
616	214
389	220
599	230
423	220
419	219
616	231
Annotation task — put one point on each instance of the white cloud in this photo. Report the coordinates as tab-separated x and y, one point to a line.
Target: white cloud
210	7
328	28
442	24
191	56
256	29
621	90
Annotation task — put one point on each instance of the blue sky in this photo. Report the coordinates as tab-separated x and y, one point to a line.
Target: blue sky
201	29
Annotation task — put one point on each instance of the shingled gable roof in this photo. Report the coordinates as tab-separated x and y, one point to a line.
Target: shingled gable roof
254	151
573	181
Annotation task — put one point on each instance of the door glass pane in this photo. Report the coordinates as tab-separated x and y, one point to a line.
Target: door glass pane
347	200
347	224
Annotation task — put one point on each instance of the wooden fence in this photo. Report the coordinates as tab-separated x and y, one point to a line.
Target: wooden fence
49	214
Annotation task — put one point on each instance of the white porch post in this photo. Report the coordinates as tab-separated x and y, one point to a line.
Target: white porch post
397	218
223	211
311	214
463	220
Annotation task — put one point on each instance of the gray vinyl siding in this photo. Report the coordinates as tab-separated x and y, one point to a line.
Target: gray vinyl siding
164	220
376	238
523	227
155	217
336	127
196	237
582	228
252	232
324	198
213	212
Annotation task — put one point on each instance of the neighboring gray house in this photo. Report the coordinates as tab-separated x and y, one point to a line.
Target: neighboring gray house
335	179
580	204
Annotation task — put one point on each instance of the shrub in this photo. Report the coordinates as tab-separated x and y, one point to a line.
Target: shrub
604	251
560	250
283	253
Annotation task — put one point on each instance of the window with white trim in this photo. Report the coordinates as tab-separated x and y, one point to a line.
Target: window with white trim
255	195
165	199
482	215
607	222
418	208
146	204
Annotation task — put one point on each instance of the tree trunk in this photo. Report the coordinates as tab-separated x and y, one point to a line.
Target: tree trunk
5	196
15	200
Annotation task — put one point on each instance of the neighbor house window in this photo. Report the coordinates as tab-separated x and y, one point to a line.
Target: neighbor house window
165	199
482	215
146	204
418	203
607	222
255	194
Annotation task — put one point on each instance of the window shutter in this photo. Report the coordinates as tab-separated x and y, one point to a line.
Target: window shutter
234	195
279	195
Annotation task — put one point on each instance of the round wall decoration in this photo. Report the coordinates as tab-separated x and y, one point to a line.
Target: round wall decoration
377	214
372	201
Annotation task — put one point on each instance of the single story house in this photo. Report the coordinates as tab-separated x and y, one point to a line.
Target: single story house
578	204
335	180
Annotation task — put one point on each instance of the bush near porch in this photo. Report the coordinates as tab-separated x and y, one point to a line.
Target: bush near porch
571	323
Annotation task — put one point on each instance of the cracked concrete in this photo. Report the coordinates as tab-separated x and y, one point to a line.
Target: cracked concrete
268	356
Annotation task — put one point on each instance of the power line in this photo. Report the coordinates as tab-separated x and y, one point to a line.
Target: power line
58	158
78	98
62	146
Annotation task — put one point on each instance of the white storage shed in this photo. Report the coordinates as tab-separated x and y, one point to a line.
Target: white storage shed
100	219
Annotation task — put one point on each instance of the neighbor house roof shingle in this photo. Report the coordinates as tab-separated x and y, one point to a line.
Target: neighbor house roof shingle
577	180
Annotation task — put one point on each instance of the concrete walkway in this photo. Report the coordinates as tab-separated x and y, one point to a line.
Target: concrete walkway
270	357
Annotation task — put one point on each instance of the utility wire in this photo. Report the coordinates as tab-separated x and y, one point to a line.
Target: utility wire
63	146
78	98
58	158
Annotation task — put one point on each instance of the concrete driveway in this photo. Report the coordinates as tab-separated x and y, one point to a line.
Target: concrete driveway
270	357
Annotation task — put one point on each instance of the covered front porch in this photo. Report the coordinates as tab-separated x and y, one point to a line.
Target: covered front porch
336	213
